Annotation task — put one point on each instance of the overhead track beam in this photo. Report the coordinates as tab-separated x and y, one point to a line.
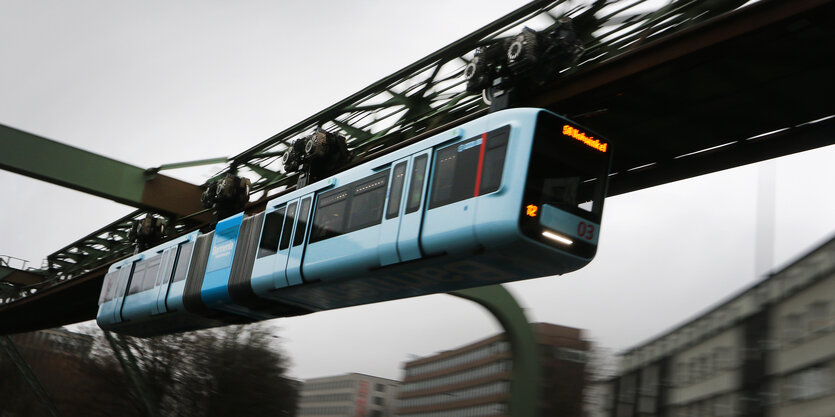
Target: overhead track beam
20	277
47	160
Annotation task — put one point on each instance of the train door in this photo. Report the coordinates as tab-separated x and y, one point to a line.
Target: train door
121	290
408	240
390	226
163	279
280	265
295	251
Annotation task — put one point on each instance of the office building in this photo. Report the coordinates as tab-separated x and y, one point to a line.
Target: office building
349	395
474	380
767	351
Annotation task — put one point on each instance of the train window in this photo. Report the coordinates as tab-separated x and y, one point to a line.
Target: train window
116	283
272	230
109	283
329	218
416	184
121	284
494	155
565	173
151	273
301	226
367	202
455	172
183	259
288	227
396	193
137	277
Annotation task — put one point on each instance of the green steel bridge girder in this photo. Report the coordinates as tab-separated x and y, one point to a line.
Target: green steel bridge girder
20	277
526	373
37	157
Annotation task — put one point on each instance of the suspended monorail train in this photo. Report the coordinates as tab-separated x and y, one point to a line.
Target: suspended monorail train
512	195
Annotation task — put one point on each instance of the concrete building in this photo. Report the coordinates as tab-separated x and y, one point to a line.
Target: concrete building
767	351
349	395
57	359
59	341
474	380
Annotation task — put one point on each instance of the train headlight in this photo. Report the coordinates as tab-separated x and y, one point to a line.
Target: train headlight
557	237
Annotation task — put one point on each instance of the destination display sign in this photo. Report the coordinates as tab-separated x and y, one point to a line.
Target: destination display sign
589	141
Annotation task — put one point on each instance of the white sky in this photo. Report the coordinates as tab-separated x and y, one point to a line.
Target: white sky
155	82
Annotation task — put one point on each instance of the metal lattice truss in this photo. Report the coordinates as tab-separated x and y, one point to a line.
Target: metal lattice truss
104	246
416	99
431	92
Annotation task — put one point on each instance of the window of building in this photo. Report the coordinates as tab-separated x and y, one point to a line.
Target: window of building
722	358
681	373
694	373
818	316
707	365
793	329
379	388
378	400
809	383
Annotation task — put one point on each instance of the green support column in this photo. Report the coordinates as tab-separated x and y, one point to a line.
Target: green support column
526	374
64	165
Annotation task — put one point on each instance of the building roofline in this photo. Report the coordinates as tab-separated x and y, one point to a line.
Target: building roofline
495	337
348	374
733	297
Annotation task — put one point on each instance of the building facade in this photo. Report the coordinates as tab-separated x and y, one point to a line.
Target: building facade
350	395
474	380
767	351
56	358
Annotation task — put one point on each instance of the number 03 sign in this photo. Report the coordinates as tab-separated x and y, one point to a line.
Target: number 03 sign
585	230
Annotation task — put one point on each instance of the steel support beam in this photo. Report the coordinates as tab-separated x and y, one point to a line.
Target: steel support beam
525	384
736	154
37	157
73	301
19	277
689	41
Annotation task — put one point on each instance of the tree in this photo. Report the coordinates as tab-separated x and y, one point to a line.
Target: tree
236	370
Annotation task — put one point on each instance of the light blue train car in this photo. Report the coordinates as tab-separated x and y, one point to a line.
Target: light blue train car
512	195
143	295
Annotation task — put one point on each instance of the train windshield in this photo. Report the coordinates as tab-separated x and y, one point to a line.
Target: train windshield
568	168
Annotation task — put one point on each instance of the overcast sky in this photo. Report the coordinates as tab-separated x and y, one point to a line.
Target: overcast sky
156	81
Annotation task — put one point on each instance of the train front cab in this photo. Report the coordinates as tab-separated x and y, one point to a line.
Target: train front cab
524	197
564	168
